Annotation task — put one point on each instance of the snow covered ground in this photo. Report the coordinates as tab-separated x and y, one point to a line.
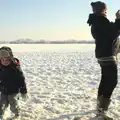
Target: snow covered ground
62	82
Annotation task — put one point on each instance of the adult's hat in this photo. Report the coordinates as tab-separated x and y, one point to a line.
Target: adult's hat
98	6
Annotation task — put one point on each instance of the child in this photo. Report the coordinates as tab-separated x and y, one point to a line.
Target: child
12	81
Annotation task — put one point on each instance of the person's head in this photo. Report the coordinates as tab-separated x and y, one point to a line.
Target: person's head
6	55
5	58
99	7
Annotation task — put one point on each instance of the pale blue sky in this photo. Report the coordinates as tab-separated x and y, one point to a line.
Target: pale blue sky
48	19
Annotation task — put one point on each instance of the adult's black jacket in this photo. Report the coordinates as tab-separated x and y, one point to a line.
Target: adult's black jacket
105	34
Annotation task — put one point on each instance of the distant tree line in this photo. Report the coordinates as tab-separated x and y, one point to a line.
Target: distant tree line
29	41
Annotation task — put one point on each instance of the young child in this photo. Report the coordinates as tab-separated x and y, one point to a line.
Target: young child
12	82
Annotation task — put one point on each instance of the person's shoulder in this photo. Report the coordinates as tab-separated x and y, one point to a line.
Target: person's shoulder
16	61
16	64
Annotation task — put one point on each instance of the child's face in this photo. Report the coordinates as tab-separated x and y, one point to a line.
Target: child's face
5	61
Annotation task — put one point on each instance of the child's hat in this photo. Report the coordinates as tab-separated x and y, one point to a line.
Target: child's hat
4	53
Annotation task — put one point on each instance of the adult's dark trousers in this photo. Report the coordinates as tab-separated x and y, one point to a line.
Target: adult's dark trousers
108	78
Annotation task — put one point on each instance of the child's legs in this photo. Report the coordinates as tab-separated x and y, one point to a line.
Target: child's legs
3	103
13	101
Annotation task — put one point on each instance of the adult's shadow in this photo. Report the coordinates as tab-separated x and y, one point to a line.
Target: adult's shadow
78	116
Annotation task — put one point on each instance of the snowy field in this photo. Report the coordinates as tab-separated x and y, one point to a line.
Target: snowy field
62	82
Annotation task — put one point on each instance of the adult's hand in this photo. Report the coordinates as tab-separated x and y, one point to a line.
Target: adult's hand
118	14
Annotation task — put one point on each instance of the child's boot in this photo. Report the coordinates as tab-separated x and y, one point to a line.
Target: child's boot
15	117
1	117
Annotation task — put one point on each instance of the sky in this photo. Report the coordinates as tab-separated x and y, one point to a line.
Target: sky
48	19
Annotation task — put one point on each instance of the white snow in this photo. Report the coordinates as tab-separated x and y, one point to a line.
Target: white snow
62	82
